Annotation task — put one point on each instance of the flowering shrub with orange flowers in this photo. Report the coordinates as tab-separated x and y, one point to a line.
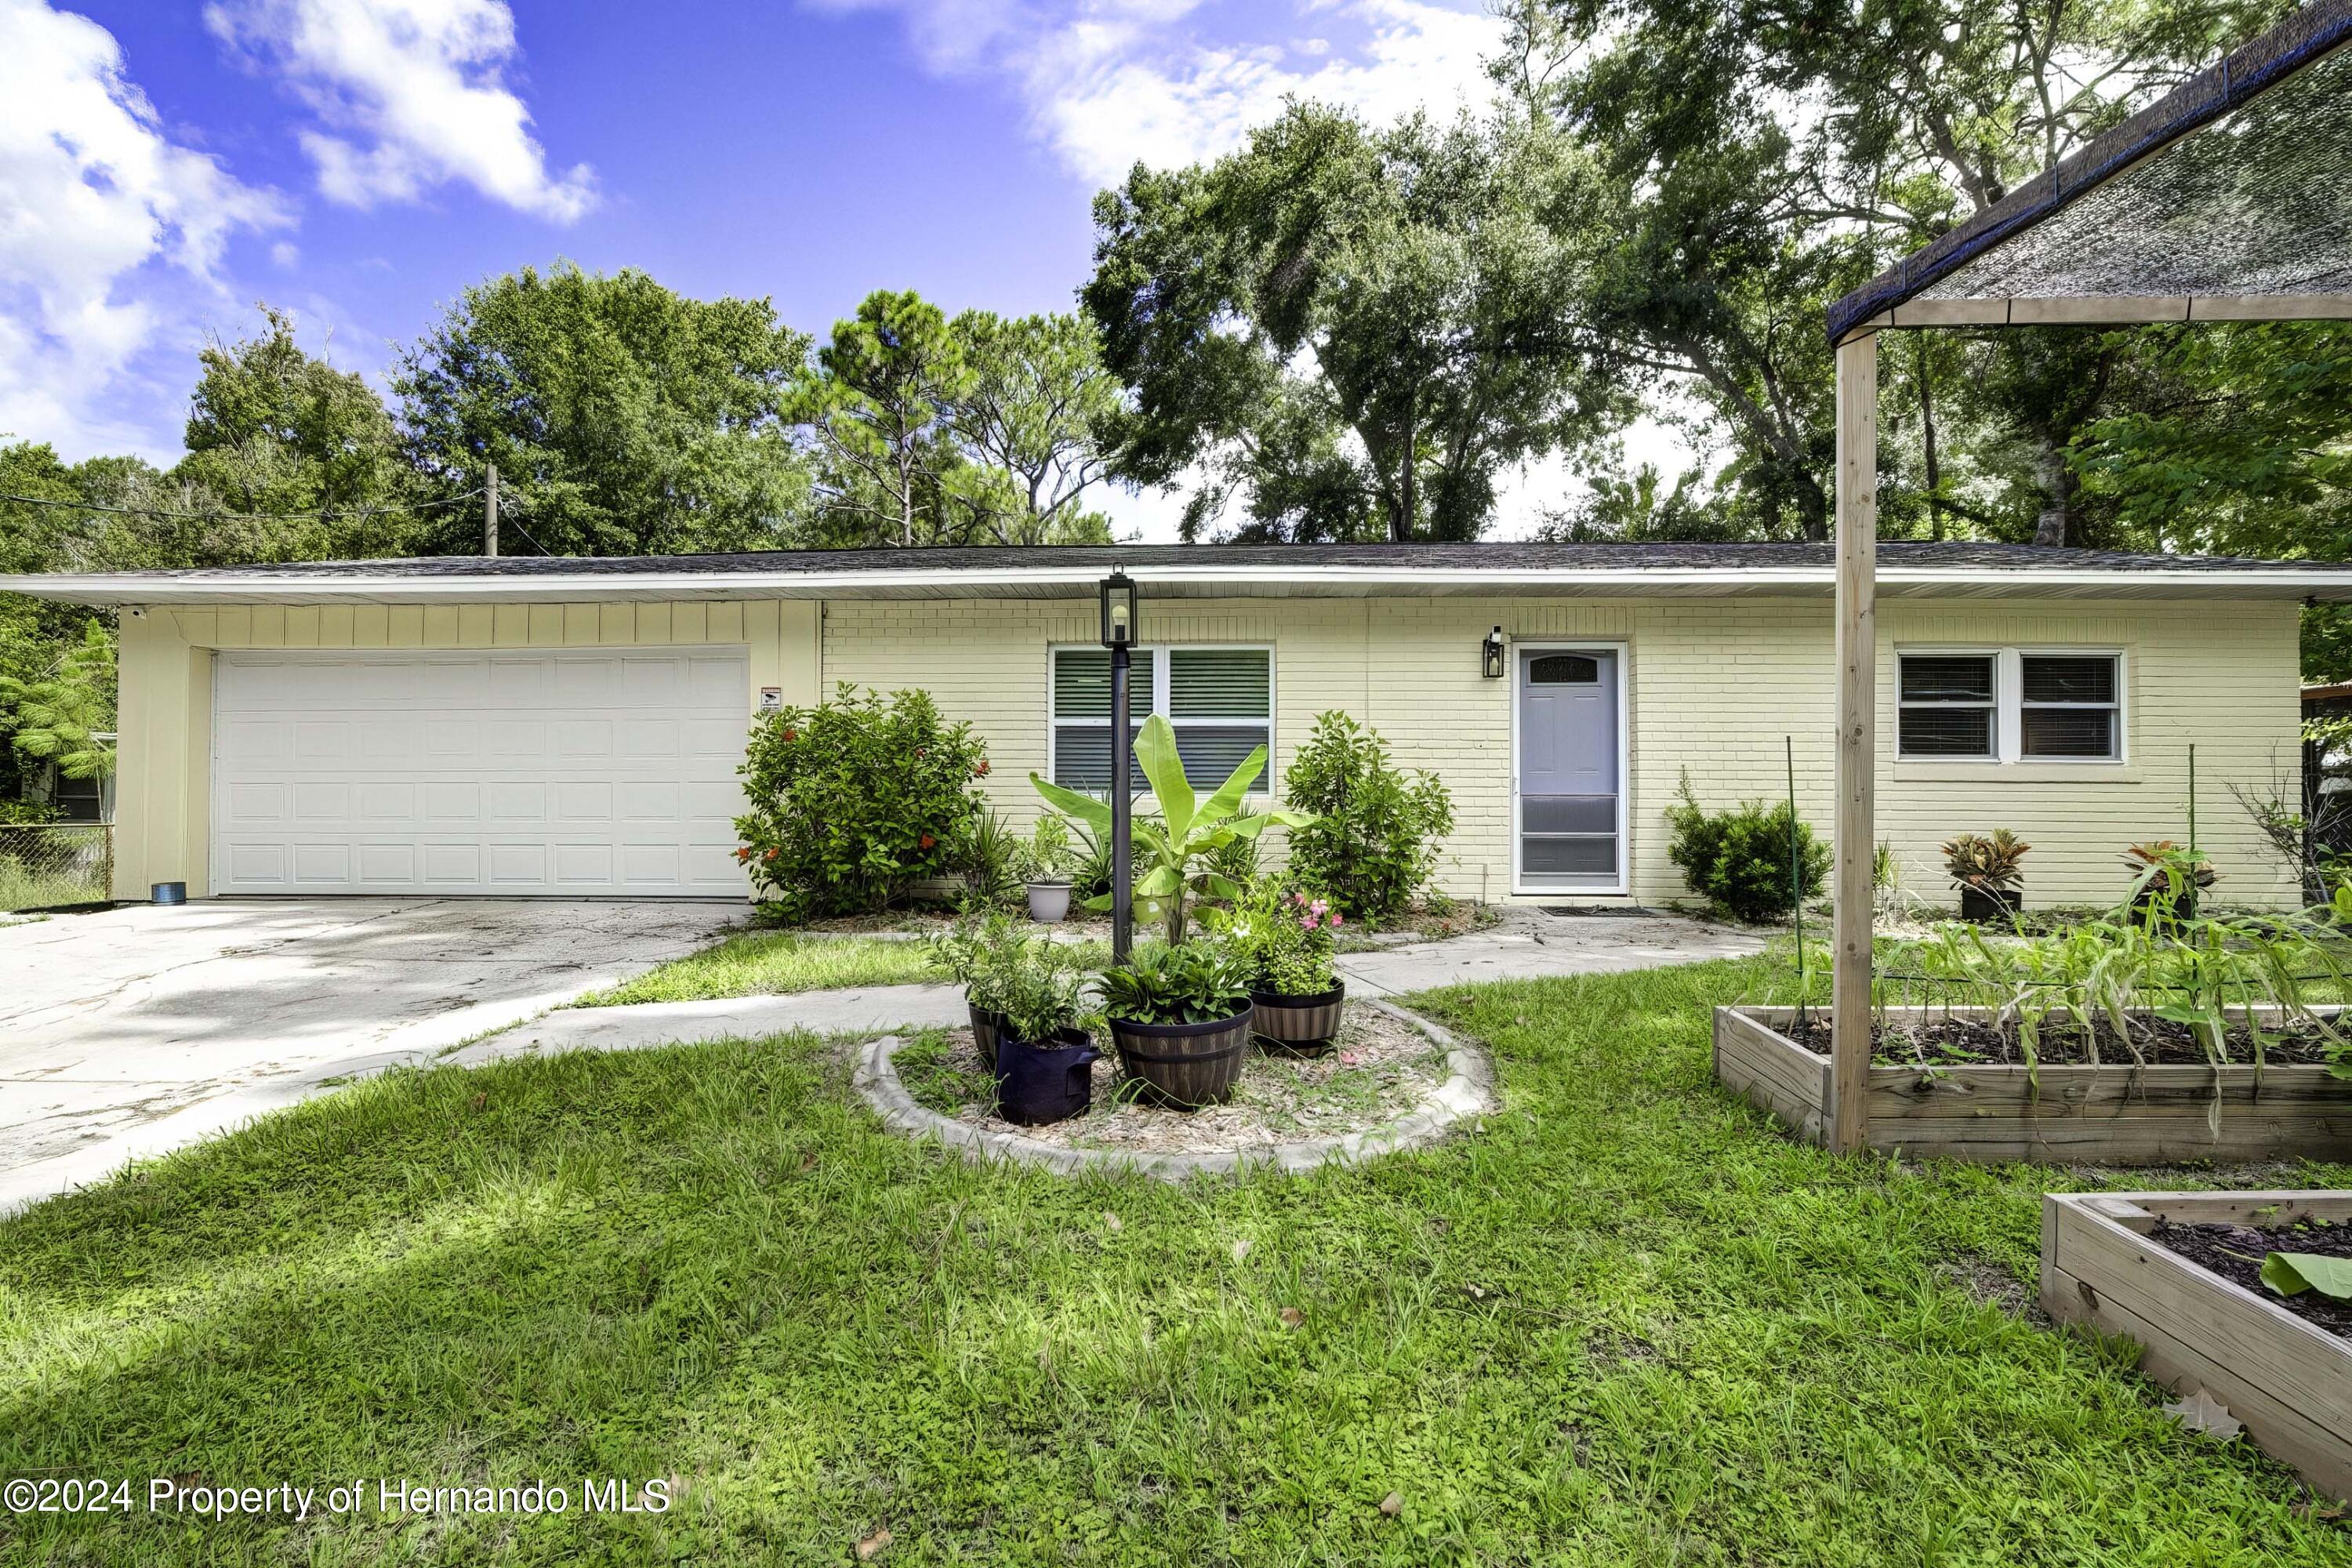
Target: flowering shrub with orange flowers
855	801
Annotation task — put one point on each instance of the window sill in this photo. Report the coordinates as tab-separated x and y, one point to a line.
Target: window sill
1921	770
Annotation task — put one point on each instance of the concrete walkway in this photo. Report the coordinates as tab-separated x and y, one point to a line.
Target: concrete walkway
1526	946
1532	945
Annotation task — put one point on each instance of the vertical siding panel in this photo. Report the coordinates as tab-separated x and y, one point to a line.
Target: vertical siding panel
653	623
440	625
236	627
335	625
302	626
616	625
580	625
726	621
371	625
198	628
689	623
269	626
478	626
403	626
544	626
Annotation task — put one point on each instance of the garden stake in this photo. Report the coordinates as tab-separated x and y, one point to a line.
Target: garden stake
1796	878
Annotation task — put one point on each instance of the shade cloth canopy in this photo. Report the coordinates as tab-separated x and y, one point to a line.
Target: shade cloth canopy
2229	200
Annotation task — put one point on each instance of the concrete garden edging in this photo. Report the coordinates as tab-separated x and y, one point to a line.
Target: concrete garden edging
1468	1091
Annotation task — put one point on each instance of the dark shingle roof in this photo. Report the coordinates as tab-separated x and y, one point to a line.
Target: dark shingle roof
1271	559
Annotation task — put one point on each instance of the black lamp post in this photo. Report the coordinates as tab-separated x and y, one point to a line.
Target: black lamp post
1119	636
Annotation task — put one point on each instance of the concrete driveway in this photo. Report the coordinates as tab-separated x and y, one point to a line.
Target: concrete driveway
139	1029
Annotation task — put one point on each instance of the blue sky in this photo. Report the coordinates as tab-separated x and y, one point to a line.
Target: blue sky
360	161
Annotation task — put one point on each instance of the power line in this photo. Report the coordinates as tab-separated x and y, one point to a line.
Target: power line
241	516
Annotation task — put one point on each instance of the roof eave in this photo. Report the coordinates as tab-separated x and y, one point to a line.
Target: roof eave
133	589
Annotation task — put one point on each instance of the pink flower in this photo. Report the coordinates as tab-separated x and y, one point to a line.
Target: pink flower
1335	918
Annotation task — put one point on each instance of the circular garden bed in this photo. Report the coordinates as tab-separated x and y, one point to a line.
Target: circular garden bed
1390	1081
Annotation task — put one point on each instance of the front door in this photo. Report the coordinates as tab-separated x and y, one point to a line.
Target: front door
1570	772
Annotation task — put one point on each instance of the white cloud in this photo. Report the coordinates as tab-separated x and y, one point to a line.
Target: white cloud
411	94
96	199
1108	82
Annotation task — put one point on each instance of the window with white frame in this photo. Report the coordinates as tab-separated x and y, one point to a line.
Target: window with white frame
1219	700
2008	705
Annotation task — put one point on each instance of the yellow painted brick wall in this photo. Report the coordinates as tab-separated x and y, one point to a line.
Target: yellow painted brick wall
1713	687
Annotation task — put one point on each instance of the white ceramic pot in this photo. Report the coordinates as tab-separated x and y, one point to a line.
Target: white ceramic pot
1048	902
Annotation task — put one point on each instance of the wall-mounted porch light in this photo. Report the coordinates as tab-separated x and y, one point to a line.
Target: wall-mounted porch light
1491	655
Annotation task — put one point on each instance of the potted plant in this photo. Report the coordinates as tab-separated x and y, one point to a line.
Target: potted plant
1286	937
1180	1017
1176	853
1029	1020
2167	880
1046	862
1986	868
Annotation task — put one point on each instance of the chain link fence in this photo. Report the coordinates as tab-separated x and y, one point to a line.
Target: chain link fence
45	865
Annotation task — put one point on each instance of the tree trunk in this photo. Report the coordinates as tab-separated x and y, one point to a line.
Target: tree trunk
1813	510
1400	526
2055	476
1927	442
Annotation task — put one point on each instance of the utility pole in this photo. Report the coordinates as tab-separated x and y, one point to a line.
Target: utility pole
490	512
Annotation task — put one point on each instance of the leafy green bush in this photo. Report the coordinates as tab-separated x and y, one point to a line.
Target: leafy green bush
26	813
1038	983
1739	858
1197	982
1374	843
856	800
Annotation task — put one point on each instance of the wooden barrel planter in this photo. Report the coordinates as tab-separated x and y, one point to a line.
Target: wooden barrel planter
1189	1065
1303	1024
986	1026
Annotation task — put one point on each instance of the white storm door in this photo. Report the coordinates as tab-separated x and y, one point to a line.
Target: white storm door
1571	775
570	771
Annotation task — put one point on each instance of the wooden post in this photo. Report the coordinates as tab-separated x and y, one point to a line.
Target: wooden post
491	511
1857	662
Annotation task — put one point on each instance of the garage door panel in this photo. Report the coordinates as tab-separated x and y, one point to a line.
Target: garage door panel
261	865
251	804
382	863
322	802
479	771
318	864
384	803
445	803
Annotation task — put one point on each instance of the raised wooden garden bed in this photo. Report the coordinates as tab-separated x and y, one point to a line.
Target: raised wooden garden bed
2288	1380
2114	1114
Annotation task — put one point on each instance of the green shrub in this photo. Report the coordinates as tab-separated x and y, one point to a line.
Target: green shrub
1374	843
856	800
1739	858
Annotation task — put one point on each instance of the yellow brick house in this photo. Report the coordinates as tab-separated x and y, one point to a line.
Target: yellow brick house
572	726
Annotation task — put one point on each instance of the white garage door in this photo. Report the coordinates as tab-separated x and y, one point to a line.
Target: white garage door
575	771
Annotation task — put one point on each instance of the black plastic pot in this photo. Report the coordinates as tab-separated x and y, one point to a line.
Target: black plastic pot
1301	1023
1040	1083
1991	904
1190	1065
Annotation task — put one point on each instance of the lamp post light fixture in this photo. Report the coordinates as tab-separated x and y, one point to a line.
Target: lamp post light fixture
1118	626
1491	658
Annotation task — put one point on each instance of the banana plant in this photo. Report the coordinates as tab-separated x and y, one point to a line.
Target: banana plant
1173	853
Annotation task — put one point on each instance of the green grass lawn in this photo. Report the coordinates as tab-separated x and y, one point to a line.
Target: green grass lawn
1629	1325
774	963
